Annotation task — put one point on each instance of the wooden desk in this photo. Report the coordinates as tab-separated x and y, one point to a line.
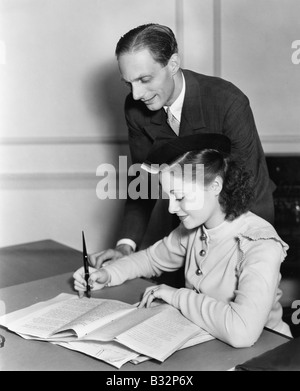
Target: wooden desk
33	261
28	355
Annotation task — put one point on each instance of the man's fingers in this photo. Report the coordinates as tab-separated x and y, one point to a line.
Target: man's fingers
97	259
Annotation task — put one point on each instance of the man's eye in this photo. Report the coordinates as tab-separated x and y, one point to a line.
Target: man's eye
179	198
145	81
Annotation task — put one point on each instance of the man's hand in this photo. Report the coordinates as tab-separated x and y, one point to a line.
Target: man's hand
97	259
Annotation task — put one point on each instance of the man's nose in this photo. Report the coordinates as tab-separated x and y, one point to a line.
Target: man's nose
137	91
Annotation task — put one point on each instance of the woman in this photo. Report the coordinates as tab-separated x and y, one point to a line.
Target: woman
232	257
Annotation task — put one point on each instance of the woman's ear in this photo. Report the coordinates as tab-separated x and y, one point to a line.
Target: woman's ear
217	185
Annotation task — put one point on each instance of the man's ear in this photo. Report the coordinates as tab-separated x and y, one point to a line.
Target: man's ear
217	185
174	63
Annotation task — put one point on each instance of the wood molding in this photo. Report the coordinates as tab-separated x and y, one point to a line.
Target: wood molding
93	140
51	180
48	180
63	140
281	138
281	144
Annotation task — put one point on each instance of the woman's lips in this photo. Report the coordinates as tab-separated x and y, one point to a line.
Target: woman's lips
182	218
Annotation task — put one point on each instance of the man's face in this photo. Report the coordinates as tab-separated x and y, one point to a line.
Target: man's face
149	81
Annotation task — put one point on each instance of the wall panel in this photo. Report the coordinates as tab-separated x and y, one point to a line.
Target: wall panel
61	98
61	115
256	46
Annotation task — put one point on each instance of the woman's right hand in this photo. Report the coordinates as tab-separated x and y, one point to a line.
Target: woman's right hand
98	279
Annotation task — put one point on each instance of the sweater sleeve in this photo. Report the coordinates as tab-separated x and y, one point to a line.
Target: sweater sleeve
240	322
166	255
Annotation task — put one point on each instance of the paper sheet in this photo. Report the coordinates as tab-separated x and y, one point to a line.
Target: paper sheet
109	330
163	334
110	352
66	315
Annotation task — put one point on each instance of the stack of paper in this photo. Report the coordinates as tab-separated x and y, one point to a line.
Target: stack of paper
109	330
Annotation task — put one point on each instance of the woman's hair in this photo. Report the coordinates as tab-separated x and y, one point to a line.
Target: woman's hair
159	40
237	193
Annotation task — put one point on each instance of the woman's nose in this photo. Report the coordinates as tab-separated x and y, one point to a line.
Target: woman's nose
173	206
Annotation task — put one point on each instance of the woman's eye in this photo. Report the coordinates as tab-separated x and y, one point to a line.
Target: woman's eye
179	199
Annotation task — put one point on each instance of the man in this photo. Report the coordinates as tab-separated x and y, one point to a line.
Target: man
149	64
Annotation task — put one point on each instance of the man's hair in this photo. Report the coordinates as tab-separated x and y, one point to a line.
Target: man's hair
159	40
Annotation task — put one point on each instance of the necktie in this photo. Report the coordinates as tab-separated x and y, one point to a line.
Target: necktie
173	122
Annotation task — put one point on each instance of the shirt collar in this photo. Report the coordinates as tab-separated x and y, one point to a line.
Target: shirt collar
176	107
225	229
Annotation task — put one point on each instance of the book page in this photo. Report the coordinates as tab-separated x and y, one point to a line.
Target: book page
46	321
201	337
118	326
105	312
16	315
110	352
51	319
161	335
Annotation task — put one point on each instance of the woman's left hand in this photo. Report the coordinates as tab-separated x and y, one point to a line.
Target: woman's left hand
162	292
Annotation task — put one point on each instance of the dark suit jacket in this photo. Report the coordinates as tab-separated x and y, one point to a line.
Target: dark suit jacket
211	104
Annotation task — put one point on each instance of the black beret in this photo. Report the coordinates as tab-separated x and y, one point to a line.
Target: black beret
168	150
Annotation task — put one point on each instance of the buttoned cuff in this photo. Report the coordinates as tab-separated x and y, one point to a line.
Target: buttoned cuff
130	243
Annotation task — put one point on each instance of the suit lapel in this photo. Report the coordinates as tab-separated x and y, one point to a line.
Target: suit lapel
192	116
157	126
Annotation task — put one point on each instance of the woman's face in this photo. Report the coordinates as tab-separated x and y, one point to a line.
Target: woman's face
194	203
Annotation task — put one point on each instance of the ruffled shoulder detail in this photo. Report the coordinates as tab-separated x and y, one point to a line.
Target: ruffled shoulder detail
255	234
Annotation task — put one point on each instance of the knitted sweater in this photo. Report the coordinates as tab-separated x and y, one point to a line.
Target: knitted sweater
232	276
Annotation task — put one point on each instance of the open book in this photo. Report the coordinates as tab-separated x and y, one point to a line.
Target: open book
111	330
